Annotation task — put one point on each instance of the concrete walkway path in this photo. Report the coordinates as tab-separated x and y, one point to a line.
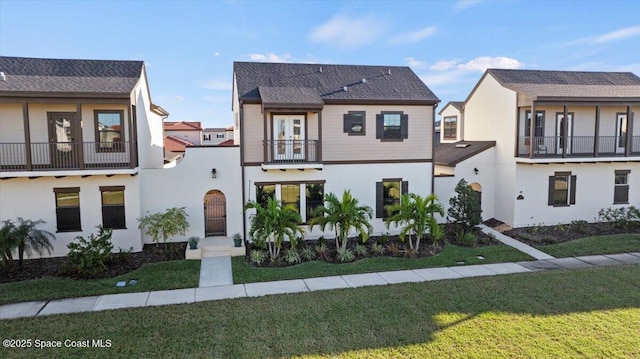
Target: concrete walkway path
229	291
515	243
215	271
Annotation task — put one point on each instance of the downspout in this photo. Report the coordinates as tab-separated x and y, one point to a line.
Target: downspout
433	149
244	199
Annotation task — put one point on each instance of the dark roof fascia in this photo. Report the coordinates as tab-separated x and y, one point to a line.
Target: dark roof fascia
586	100
380	102
314	106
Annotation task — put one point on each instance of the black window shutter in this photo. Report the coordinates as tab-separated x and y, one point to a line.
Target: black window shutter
379	126
572	189
552	180
379	200
405	187
346	123
404	126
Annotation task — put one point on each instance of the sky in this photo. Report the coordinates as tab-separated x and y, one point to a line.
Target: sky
189	46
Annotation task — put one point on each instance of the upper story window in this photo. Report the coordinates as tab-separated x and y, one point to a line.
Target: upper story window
621	187
355	123
562	189
450	127
539	125
206	137
220	135
109	130
392	126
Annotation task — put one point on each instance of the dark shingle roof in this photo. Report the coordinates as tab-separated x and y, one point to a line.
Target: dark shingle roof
33	75
570	83
447	154
327	82
289	95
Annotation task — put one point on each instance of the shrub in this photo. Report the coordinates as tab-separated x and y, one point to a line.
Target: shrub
164	225
393	248
345	255
467	239
292	256
377	249
307	254
258	256
579	226
323	251
410	252
89	256
383	239
25	237
464	207
361	250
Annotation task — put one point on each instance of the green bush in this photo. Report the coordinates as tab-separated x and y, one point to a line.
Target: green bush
258	256
464	207
361	250
345	255
308	254
89	256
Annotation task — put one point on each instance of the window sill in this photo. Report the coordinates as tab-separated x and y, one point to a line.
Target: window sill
391	140
114	228
69	230
356	134
561	205
621	202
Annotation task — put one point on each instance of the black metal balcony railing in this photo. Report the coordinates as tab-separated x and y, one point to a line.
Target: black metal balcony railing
66	156
578	146
292	151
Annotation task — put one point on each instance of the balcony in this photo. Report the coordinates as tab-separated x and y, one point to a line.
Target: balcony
15	157
579	146
294	154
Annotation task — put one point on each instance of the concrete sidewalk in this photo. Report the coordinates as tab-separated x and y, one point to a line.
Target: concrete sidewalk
515	243
191	295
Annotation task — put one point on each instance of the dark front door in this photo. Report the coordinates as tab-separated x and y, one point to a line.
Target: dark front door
215	214
64	149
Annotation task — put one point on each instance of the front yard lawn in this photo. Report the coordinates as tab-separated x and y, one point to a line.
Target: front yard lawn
591	312
152	276
616	243
244	273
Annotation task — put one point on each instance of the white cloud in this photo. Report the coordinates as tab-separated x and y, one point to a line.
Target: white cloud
216	85
415	36
416	64
443	65
216	54
270	57
484	62
441	78
618	35
349	31
465	4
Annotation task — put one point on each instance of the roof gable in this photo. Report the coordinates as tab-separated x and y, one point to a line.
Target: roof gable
311	82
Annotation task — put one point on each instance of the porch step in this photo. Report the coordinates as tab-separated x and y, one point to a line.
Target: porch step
219	247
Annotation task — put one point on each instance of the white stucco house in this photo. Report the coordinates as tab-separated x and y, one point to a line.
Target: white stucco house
580	154
213	136
305	130
74	137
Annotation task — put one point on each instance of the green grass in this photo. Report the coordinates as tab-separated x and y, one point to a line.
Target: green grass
616	243
591	312
153	276
244	273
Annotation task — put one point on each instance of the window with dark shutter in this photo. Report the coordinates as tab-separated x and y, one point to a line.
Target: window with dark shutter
392	126
379	200
621	187
562	189
354	123
68	209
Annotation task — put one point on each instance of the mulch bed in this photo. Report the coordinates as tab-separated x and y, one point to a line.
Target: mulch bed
544	235
119	264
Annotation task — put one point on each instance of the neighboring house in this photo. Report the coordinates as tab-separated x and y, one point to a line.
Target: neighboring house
451	121
305	130
580	153
74	137
214	136
190	132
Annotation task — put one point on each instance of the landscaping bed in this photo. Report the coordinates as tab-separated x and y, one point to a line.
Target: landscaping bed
324	250
119	263
545	235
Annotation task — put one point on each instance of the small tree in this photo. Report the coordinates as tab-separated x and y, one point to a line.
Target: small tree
25	237
416	215
341	216
8	243
271	224
164	225
464	207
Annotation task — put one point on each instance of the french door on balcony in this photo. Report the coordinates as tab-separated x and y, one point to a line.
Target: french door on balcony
288	136
621	132
63	146
560	134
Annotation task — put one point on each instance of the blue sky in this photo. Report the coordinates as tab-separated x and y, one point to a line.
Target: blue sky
189	46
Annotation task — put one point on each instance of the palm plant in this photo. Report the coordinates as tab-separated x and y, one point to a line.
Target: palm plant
416	216
8	243
273	223
343	215
25	237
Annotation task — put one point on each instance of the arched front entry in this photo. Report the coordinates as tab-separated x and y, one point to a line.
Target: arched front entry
215	214
477	188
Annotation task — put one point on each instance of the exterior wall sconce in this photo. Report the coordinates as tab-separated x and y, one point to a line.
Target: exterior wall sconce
476	170
214	173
